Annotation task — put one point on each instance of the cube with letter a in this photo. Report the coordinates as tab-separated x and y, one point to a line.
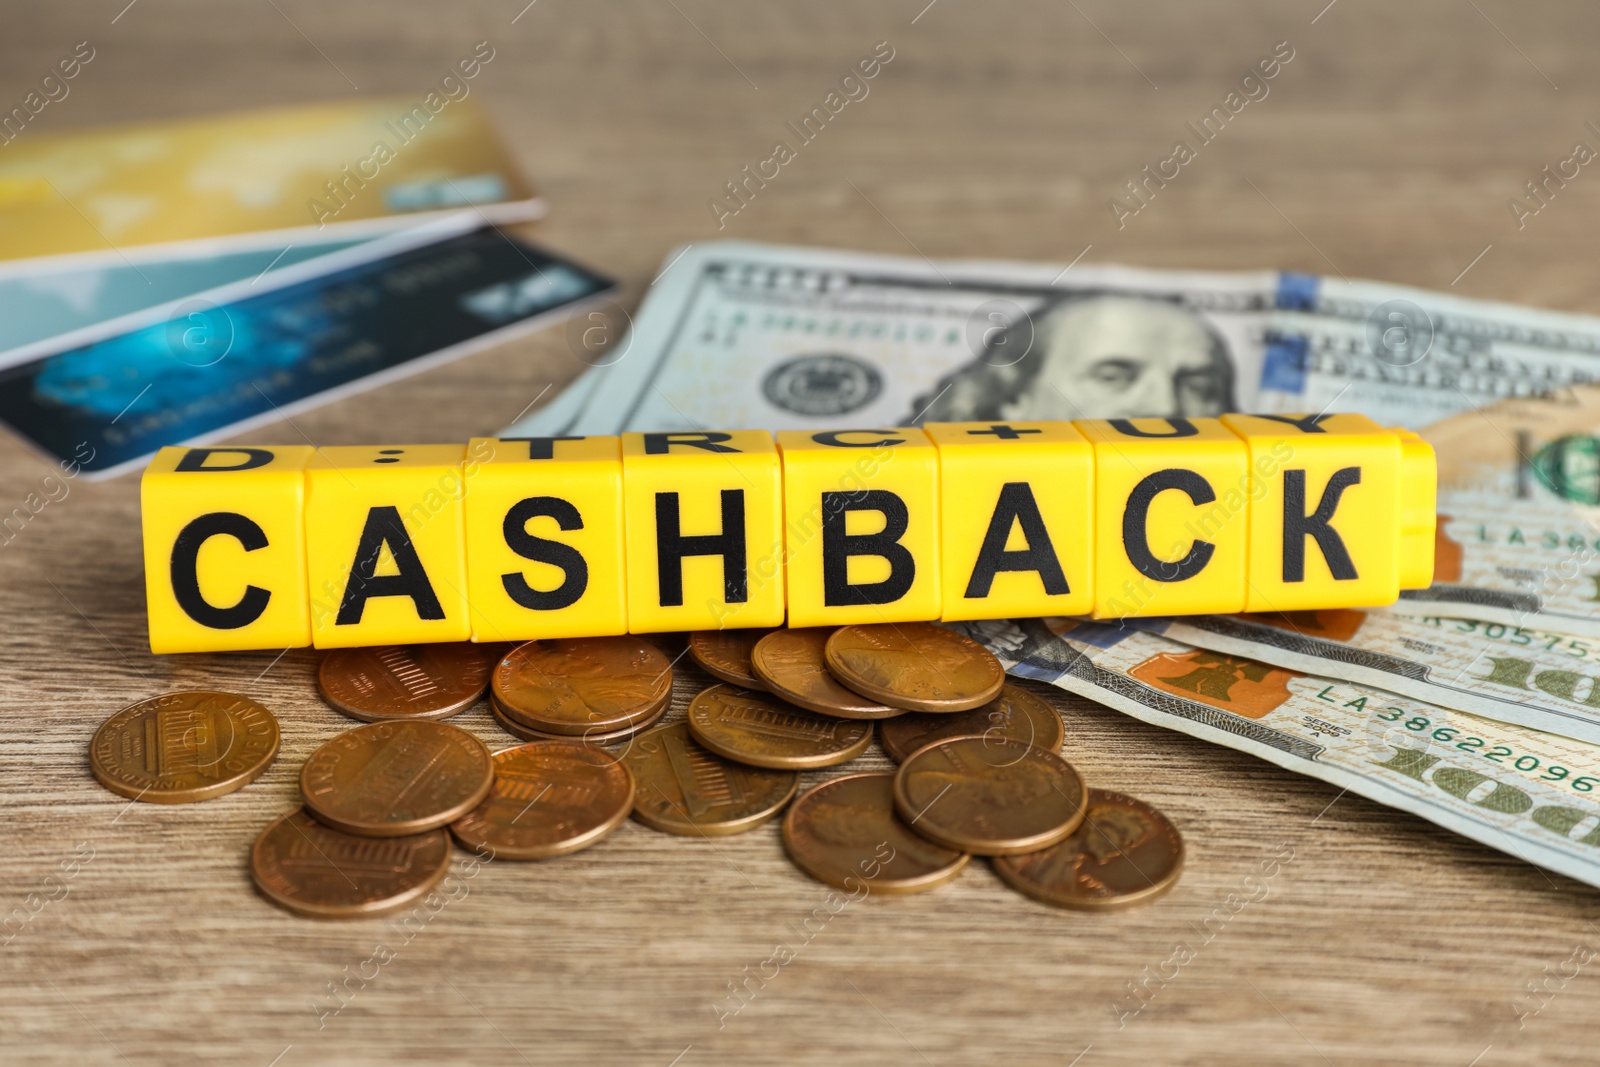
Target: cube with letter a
225	548
544	538
861	526
1330	512
386	555
1016	519
1172	516
704	537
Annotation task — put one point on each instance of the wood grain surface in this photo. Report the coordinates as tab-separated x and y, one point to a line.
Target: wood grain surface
1387	149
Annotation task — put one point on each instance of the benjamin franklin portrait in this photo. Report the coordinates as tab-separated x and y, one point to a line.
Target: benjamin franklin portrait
1096	357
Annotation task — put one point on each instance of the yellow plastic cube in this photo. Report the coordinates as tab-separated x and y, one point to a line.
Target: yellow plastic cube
861	526
1016	519
1172	516
225	548
385	552
1325	525
544	538
704	537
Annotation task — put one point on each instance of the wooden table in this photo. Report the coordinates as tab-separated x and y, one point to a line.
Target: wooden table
1387	148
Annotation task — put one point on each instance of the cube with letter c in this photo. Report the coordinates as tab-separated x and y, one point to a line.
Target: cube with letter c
386	557
1016	519
544	538
704	537
861	526
1172	516
225	548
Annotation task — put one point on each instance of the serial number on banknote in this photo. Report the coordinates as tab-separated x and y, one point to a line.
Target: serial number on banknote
1451	736
1517	635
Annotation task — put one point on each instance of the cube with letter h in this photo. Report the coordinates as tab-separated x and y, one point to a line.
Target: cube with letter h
704	536
386	557
224	548
544	538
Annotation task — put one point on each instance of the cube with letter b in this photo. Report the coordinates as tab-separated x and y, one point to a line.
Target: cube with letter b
861	526
1016	519
225	548
1334	520
386	555
1172	516
544	538
704	534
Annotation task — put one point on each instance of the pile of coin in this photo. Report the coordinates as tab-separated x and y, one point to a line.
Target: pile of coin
979	766
980	770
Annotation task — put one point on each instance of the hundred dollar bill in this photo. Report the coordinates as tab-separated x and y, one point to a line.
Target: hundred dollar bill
1519	500
1533	795
1544	681
1410	357
737	333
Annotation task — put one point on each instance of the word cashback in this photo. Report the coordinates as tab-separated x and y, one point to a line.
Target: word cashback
511	539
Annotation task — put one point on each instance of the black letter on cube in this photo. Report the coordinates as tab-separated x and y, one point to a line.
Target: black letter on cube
1297	525
385	528
575	572
1136	540
1016	506
672	546
838	546
186	575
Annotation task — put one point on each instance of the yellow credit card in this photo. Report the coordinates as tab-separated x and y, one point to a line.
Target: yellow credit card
370	165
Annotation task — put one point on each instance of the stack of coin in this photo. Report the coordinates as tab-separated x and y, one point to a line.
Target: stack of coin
597	689
979	766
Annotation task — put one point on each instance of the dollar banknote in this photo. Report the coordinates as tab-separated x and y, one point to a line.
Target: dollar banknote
737	334
1541	680
743	334
1519	500
1530	794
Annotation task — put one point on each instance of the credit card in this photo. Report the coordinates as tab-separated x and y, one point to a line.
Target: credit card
213	365
260	178
58	295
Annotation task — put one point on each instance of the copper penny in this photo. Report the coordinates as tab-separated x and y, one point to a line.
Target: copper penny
315	870
725	654
845	832
991	796
790	663
184	747
763	731
593	736
549	798
389	779
915	665
685	789
1125	853
1014	713
573	686
561	727
405	681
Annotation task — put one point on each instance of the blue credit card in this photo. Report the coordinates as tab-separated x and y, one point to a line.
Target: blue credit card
206	369
46	300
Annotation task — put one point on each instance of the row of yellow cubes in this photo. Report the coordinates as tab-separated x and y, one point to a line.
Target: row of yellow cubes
510	539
